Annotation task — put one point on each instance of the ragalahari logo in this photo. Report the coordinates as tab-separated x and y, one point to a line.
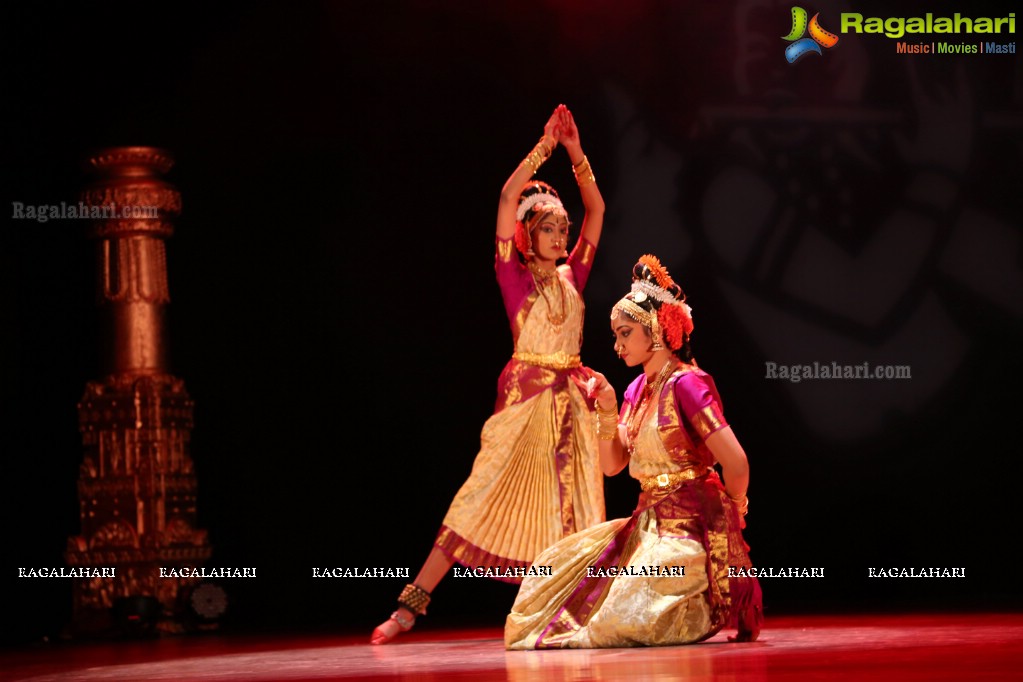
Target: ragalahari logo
801	46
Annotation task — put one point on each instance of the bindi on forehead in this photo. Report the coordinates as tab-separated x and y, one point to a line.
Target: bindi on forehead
551	219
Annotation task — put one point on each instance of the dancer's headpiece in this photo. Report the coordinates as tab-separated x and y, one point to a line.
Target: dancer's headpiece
537	199
657	303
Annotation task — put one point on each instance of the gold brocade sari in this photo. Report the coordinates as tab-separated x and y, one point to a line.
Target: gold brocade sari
659	577
536	477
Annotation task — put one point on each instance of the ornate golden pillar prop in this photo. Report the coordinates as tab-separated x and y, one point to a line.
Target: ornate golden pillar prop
136	487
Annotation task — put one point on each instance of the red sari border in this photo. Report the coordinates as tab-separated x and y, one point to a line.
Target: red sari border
469	555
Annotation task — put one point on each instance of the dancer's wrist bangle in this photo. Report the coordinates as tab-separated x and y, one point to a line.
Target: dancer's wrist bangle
541	152
607	431
583	172
742	503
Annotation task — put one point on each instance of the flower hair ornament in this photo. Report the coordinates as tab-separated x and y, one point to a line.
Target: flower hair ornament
544	200
668	313
539	199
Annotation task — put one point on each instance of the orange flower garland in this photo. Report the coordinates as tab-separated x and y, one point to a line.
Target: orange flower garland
675	323
664	280
673	319
521	238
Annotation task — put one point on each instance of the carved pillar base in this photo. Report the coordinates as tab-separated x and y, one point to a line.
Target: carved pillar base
136	488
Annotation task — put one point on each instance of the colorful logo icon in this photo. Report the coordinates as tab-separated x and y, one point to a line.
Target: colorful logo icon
802	46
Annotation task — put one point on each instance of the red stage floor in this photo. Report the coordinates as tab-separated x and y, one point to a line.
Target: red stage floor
875	648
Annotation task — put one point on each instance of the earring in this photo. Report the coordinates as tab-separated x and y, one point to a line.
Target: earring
655	331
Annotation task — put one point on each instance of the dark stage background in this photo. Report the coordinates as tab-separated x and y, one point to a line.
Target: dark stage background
336	320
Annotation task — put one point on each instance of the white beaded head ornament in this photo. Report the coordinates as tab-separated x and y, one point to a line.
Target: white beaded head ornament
672	316
641	289
538	199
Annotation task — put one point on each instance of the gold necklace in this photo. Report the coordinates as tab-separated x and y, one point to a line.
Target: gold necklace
542	279
651	392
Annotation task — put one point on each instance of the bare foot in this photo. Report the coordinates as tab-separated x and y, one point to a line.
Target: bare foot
745	636
385	632
391	628
749	625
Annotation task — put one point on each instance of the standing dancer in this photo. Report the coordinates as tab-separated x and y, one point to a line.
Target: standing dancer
536	477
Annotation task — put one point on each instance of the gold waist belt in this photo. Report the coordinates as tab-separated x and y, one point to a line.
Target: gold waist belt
559	360
663	481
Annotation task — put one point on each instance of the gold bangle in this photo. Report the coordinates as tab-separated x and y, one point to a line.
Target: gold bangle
536	158
533	160
583	172
607	422
548	148
741	504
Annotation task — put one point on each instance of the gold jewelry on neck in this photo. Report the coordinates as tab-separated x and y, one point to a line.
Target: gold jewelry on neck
544	279
650	395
